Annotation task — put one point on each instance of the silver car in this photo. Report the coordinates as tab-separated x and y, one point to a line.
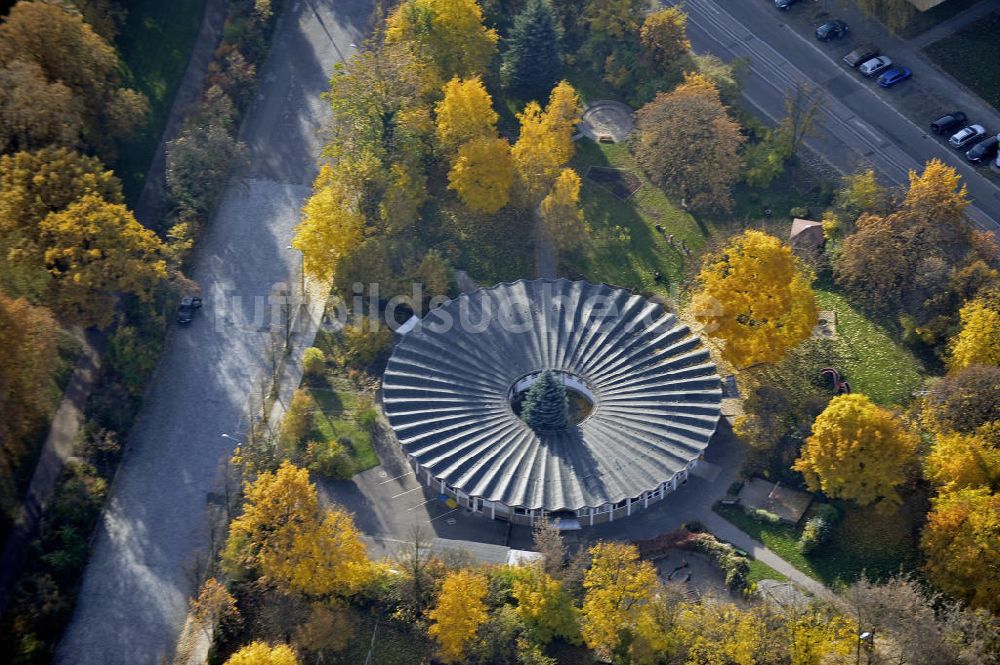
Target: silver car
967	136
876	65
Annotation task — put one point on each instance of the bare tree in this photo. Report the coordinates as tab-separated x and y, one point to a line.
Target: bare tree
802	104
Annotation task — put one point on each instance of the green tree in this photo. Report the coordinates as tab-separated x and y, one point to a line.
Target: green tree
532	63
198	165
545	405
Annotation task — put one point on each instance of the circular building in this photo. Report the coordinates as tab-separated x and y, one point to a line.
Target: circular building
644	400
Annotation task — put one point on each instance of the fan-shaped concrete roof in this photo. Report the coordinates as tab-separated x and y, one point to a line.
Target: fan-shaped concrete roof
656	394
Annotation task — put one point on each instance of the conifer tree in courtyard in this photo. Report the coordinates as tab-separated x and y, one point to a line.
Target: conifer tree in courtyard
532	63
545	405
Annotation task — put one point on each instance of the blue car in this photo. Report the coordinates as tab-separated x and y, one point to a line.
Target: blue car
894	76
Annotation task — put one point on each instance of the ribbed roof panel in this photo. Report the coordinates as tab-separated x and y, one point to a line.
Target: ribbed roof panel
657	394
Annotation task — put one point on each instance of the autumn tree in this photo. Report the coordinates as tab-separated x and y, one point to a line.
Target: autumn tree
27	382
688	144
35	112
532	63
561	213
464	113
261	653
859	193
978	341
964	400
482	174
69	52
857	451
446	35
904	261
611	44
331	227
619	587
664	40
545	606
95	249
962	544
545	143
285	537
965	460
459	612
756	296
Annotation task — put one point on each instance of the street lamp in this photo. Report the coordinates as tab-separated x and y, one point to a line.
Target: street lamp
233	439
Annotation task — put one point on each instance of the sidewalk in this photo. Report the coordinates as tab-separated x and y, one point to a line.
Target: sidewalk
57	449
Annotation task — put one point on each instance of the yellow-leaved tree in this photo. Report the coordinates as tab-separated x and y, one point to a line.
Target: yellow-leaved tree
465	113
978	342
619	588
756	296
561	213
95	249
447	35
482	174
331	225
545	143
857	451
545	606
965	460
962	544
284	536
262	653
460	610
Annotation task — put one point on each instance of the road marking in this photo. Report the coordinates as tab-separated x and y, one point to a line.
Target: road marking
419	487
443	514
423	503
396	478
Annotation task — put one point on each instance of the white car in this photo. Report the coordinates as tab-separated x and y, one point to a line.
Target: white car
967	136
876	65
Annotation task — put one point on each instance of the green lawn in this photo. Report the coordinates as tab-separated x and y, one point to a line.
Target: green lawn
866	354
761	571
864	540
154	46
626	247
972	55
337	403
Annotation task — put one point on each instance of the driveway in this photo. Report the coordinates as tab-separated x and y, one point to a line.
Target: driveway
858	125
157	522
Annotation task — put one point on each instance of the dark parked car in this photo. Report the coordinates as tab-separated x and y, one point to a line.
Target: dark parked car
894	76
983	150
784	4
185	311
831	30
947	123
863	53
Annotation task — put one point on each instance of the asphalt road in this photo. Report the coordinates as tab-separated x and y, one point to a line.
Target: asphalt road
157	523
857	126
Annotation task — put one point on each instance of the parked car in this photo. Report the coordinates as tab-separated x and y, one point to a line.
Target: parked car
967	136
947	123
984	150
876	65
831	30
862	53
894	76
784	4
185	311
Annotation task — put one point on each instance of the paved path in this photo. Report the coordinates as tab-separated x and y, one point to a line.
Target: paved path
56	450
149	208
858	125
134	595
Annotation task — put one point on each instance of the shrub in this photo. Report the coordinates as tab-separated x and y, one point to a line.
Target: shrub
799	211
815	533
330	458
366	416
761	515
298	419
313	362
827	511
735	566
